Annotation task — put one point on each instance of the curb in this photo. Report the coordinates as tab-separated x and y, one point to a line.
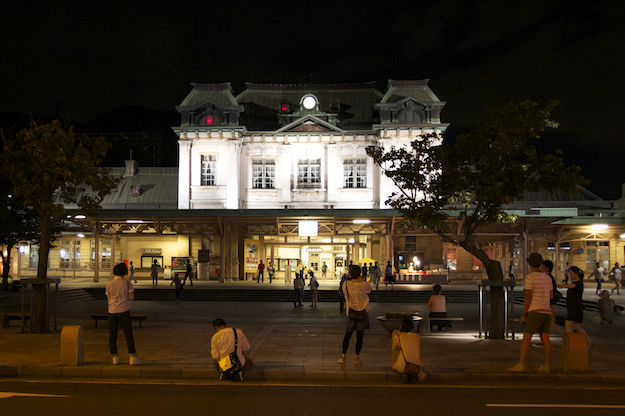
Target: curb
278	375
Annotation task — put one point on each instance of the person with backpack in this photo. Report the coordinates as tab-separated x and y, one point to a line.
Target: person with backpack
313	285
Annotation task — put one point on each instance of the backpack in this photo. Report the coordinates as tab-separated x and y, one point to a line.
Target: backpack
316	283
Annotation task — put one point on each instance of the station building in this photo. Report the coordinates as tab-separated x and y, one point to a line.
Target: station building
279	173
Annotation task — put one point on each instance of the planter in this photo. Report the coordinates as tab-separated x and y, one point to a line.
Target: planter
393	324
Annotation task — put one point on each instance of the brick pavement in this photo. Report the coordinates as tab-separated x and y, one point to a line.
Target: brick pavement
294	345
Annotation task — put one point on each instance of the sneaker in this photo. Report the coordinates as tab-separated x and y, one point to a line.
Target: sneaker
115	359
341	360
134	360
519	368
357	360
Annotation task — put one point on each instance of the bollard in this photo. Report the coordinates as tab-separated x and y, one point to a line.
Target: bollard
72	349
574	352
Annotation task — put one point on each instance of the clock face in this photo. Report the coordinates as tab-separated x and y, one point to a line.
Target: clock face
309	102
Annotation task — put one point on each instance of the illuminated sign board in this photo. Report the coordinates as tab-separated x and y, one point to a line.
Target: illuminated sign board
308	228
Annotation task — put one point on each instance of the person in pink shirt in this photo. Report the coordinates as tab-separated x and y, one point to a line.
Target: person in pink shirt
536	313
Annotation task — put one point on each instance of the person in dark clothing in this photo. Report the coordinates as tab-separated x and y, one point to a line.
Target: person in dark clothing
188	273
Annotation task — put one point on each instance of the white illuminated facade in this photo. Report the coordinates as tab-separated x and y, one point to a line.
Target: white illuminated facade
296	146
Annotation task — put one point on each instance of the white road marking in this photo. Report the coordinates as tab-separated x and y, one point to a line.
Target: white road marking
7	394
587	406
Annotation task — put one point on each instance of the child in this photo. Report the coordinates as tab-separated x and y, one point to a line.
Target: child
178	287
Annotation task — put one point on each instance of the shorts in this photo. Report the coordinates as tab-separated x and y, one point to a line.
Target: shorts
536	322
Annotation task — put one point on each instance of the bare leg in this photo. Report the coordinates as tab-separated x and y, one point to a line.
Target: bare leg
525	347
547	349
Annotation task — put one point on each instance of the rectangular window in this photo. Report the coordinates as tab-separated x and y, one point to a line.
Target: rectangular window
309	173
411	243
355	172
452	263
263	173
105	259
65	254
209	163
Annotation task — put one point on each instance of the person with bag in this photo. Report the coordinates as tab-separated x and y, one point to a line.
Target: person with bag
356	292
406	348
228	346
119	294
574	304
271	270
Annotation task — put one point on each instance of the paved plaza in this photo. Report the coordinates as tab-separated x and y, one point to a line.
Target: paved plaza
294	344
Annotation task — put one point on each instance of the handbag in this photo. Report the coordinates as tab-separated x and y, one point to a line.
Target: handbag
230	366
353	314
411	369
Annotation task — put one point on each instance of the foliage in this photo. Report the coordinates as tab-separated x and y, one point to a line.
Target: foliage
48	166
473	180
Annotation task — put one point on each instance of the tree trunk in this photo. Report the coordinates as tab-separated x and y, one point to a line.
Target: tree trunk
41	290
6	266
497	304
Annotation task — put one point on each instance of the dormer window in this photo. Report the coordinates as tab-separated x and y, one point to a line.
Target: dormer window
210	120
284	106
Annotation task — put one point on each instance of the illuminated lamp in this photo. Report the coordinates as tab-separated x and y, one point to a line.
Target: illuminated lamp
599	226
209	119
623	236
362	221
284	106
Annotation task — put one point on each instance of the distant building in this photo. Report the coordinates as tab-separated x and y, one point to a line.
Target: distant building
280	173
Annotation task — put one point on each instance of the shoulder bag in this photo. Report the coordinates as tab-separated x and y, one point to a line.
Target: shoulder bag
230	366
411	369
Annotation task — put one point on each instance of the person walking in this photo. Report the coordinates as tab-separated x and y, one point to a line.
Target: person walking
376	275
271	270
536	313
616	273
298	286
154	269
598	274
119	293
365	271
341	293
313	285
574	304
132	273
261	272
178	287
188	273
324	269
226	341
357	305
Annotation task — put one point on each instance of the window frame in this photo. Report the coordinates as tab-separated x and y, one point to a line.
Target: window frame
208	169
355	172
264	166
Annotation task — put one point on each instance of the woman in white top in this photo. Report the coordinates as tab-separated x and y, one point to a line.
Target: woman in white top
406	348
438	309
356	292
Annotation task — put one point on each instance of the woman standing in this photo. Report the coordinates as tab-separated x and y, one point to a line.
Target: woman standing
356	292
313	285
574	305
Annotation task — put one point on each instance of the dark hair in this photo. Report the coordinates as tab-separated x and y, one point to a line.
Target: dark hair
549	265
120	269
577	271
218	322
437	289
354	271
406	326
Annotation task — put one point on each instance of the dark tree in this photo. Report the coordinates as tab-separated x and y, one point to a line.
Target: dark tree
472	181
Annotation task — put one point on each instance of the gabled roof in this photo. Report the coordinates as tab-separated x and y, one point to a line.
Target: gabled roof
308	123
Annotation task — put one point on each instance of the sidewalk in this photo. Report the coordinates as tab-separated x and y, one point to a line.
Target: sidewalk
296	345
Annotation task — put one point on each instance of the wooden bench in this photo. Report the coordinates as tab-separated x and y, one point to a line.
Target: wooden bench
104	317
444	321
8	317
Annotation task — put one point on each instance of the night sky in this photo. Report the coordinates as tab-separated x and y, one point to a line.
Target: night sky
79	60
